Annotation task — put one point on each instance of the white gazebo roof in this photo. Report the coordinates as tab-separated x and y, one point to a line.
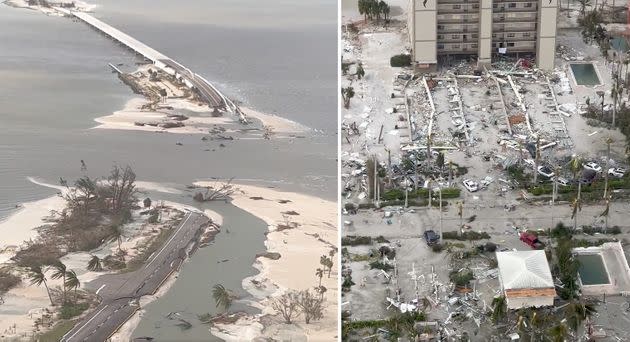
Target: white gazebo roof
524	270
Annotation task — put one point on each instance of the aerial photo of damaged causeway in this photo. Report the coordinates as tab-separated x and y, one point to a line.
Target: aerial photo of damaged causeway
186	215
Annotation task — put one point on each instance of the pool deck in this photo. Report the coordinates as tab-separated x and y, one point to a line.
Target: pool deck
616	266
595	65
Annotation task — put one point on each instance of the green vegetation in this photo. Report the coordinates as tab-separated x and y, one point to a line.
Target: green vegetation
461	278
398	325
8	280
381	266
402	60
466	236
70	310
399	194
352	240
373	9
56	333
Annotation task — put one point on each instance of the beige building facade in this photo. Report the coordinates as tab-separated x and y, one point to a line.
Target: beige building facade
485	28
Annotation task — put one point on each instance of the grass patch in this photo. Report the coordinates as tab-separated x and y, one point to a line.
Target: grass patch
153	245
56	333
466	236
70	310
381	266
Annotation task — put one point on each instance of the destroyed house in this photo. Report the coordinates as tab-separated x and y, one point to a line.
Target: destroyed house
525	279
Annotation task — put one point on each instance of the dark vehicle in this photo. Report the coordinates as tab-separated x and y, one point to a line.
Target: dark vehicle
431	237
588	176
532	240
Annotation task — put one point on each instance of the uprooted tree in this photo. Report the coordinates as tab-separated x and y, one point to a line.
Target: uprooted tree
287	305
312	306
219	191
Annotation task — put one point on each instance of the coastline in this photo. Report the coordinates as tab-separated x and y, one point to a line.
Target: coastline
132	112
300	249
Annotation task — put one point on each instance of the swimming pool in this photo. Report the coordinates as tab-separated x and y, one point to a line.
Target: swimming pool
585	74
592	270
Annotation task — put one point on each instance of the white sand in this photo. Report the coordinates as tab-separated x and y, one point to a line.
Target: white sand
299	252
277	124
124	119
158	187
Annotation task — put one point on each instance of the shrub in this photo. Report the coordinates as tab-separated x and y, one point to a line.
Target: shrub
69	310
380	265
615	230
113	263
154	217
8	280
352	240
437	248
401	60
381	239
461	278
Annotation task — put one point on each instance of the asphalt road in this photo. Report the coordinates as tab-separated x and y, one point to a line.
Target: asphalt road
119	293
207	92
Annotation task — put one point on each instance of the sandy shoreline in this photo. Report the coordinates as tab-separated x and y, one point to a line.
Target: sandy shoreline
300	249
126	118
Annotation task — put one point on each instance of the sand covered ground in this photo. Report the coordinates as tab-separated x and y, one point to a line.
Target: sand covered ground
126	118
300	249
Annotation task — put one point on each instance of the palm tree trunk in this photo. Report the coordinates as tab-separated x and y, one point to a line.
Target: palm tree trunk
48	291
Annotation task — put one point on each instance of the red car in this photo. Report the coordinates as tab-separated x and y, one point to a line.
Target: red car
532	240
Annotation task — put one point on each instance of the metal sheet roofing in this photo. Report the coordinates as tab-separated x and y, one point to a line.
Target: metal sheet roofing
524	270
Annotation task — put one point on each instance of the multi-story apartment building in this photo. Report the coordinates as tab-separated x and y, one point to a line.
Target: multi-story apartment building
484	28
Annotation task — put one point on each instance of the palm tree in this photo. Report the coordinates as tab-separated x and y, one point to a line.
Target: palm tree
117	234
60	271
559	333
606	212
222	297
72	282
577	312
37	277
94	264
360	71
499	308
576	167
609	141
583	5
319	273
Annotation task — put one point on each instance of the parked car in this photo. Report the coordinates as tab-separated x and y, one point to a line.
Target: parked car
531	240
431	237
592	166
588	176
470	185
616	172
563	181
546	171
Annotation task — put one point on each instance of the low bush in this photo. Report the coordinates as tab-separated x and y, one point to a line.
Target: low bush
70	310
401	60
352	240
380	265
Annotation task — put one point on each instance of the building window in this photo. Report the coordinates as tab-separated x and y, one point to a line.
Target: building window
475	6
454	36
455	46
457	6
474	46
495	5
510	35
528	5
510	44
474	36
440	27
440	36
494	35
440	46
512	5
525	34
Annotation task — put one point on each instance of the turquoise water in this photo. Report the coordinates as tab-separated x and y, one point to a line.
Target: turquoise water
585	74
592	270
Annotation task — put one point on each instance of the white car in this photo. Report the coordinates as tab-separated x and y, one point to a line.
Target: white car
545	171
562	181
593	166
616	172
470	185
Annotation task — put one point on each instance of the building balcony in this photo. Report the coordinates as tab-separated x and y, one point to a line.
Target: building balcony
514	27
458	28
